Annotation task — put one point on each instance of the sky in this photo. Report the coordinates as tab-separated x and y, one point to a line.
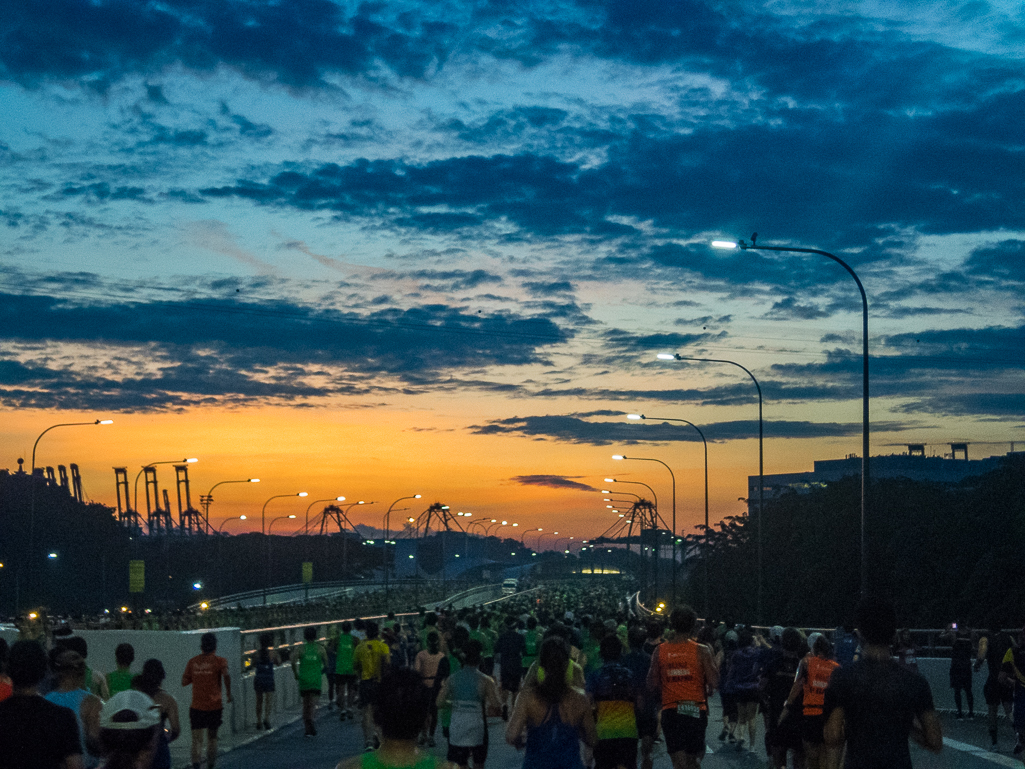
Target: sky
376	250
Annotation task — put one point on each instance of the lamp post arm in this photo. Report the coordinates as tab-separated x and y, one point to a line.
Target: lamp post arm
51	427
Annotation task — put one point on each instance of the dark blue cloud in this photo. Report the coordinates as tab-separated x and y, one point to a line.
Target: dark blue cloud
569	429
1004	262
552	482
249	335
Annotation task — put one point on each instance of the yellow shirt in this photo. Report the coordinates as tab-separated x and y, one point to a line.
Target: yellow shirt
371	657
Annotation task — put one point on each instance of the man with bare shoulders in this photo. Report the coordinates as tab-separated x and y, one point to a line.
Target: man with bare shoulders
874	704
683	672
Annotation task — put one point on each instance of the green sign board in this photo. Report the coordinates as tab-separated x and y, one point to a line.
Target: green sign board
307	572
136	576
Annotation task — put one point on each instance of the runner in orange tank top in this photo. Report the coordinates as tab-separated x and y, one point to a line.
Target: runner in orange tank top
812	679
683	674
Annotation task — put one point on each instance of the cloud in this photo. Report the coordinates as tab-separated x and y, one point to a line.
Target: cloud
1004	262
567	429
552	482
1004	406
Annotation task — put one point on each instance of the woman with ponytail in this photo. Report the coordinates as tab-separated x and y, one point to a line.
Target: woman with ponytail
551	719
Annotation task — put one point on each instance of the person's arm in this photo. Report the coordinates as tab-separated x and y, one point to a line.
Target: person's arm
654	680
100	683
493	701
588	731
709	669
980	657
927	732
443	695
227	683
171	709
90	712
833	736
796	689
187	675
518	722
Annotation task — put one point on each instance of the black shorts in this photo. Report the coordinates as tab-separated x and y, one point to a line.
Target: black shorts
345	678
684	733
787	735
729	706
995	693
647	723
608	754
812	727
461	754
310	691
742	698
511	680
367	693
206	719
263	685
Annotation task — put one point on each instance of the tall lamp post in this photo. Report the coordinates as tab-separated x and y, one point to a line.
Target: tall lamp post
263	512
220	560
705	443
761	460
387	530
32	505
671	475
727	244
269	528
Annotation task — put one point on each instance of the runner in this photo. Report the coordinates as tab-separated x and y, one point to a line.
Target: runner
205	673
961	653
992	648
470	694
263	679
874	705
427	665
1012	673
120	679
638	661
783	735
509	649
531	642
370	661
345	674
399	709
308	667
129	723
70	693
551	719
149	683
614	696
34	733
685	673
813	674
741	683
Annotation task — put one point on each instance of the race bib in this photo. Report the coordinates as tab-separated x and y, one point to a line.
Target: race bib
688	709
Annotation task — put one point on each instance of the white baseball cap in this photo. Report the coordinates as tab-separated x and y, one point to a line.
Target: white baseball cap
129	710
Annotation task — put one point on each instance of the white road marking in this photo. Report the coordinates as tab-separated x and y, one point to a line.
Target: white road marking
983	753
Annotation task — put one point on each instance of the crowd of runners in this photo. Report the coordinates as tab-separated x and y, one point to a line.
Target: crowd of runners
577	679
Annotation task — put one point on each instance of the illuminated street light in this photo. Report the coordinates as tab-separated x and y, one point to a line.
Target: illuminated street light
673	476
263	512
744	246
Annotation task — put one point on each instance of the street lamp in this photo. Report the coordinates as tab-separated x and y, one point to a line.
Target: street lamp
703	441
386	521
761	460
269	528
496	526
64	424
263	512
220	529
138	475
207	499
635	483
864	379
523	536
544	534
32	501
671	475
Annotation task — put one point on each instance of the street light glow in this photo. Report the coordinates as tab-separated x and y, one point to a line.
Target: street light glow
242	517
254	480
618	456
303	494
339	499
609	480
666	356
105	422
635	416
192	460
724	244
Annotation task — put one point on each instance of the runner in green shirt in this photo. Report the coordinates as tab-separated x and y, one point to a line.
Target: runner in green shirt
345	673
308	666
120	680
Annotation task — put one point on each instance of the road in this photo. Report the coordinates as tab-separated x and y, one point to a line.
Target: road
287	748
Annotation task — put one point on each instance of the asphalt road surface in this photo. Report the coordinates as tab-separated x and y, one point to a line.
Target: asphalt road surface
965	747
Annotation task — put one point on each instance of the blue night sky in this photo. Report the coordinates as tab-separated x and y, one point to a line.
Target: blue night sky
376	248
